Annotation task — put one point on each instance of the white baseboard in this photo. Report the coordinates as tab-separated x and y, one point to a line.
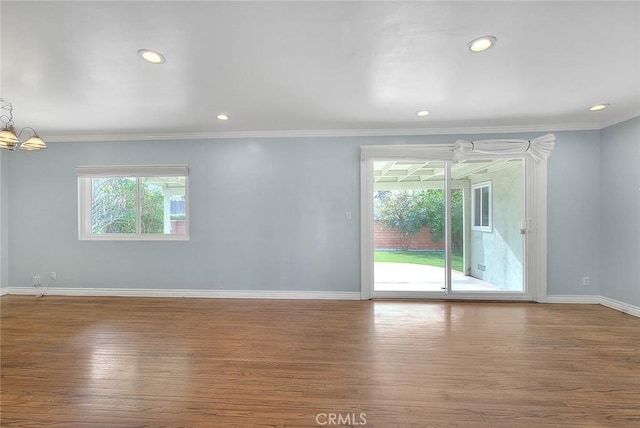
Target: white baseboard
278	294
589	299
218	294
620	306
597	300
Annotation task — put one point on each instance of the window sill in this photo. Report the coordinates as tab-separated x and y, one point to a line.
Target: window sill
134	238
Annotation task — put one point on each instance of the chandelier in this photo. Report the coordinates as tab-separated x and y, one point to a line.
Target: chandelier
10	139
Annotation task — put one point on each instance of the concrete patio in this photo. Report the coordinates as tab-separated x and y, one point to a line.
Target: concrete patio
414	277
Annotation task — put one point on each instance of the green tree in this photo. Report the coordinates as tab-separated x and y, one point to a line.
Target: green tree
410	210
434	203
114	206
400	210
152	212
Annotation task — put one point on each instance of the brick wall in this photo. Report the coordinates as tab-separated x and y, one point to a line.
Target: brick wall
384	237
178	227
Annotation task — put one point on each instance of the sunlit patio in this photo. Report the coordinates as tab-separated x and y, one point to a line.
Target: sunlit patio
415	277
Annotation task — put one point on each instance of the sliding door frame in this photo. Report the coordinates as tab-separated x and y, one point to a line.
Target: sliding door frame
534	227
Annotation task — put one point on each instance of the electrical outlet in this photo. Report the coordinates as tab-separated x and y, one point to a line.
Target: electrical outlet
53	276
586	281
36	280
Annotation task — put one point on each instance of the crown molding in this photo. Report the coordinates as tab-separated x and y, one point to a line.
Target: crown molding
392	132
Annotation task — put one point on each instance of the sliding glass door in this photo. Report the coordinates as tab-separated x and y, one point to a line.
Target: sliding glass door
448	228
409	226
487	221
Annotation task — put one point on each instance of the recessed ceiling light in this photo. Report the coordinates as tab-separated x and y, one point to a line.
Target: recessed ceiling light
151	56
222	117
481	43
599	107
423	113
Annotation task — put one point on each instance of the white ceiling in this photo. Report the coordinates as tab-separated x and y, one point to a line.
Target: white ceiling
316	68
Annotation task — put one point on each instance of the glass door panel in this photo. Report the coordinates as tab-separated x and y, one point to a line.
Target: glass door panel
487	215
409	226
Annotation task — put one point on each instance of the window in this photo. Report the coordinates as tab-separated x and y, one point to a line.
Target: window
133	202
481	207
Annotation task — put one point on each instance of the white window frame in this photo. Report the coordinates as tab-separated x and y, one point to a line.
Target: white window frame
474	203
535	219
85	197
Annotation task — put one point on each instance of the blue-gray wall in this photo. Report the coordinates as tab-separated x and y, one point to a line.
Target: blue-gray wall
620	212
573	214
266	214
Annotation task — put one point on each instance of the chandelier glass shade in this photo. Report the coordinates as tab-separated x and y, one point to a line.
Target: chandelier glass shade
10	139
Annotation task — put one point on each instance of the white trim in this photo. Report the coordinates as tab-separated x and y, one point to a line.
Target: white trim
386	132
535	275
304	295
474	202
447	227
85	198
620	306
366	229
89	171
466	229
454	295
587	299
139	207
535	228
135	236
596	300
217	294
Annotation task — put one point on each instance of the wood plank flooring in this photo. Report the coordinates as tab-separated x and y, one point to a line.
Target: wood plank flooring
133	362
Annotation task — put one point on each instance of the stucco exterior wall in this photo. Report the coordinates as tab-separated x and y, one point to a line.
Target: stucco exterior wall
501	250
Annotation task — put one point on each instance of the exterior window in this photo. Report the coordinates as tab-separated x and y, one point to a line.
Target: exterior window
133	202
481	207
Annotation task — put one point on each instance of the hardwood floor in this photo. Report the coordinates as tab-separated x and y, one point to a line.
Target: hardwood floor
107	362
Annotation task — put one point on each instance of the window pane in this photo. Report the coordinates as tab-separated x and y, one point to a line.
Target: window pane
113	205
485	206
409	226
476	206
163	205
